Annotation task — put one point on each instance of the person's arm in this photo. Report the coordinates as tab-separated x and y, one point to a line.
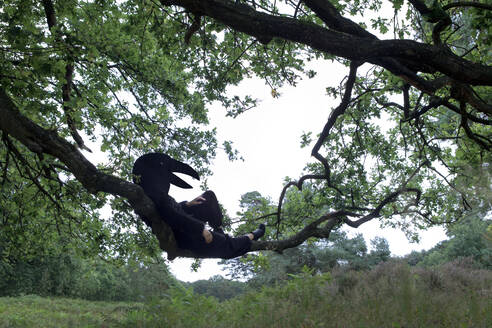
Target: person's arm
177	218
169	210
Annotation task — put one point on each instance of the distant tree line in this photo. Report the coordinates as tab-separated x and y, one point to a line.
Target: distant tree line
469	241
471	238
219	287
67	275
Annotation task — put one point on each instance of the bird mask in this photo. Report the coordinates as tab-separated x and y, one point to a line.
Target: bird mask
158	168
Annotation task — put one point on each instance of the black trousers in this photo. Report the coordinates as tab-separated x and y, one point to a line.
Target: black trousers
222	245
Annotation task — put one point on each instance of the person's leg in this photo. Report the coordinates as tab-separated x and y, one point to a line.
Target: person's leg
170	211
222	245
258	233
207	211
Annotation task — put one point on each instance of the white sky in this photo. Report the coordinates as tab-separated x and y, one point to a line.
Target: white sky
268	137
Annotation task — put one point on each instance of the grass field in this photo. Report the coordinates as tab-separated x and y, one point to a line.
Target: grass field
390	295
35	311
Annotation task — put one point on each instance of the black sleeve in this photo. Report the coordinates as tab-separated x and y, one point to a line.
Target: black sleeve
177	218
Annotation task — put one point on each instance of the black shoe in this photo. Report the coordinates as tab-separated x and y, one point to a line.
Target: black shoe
258	233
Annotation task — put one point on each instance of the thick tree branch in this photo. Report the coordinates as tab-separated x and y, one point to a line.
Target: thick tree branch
435	14
265	27
467	4
420	6
335	21
332	18
194	27
39	140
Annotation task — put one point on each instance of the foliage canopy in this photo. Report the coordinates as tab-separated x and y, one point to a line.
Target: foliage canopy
410	139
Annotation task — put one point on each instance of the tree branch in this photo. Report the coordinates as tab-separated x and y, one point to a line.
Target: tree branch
420	6
66	88
390	199
39	140
468	115
377	211
263	26
324	134
311	230
482	141
434	103
467	4
332	18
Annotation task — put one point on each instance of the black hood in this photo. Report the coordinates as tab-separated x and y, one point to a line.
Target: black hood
159	168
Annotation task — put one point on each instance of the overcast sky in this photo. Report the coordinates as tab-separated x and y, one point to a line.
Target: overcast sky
268	138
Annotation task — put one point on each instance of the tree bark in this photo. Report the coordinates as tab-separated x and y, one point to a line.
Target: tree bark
264	27
42	141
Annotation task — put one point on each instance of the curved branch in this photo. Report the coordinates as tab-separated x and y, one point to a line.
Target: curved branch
467	4
482	141
40	140
468	115
467	94
263	26
420	6
324	134
434	103
69	70
311	230
334	20
339	110
332	219
438	28
391	198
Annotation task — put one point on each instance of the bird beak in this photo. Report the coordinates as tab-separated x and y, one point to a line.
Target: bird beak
179	167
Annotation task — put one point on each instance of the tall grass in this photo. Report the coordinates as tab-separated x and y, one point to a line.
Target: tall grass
390	295
54	312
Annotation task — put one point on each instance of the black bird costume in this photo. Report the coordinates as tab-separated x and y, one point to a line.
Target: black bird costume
153	172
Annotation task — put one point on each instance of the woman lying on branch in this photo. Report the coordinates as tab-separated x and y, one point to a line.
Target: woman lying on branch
153	172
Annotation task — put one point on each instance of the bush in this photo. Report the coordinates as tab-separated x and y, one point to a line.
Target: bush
69	276
392	294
